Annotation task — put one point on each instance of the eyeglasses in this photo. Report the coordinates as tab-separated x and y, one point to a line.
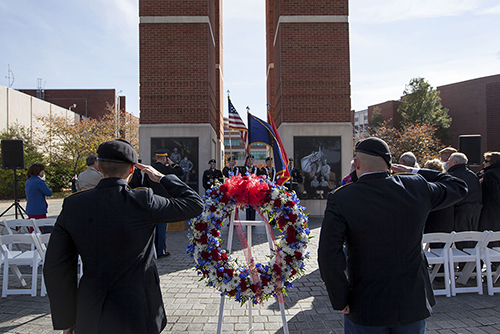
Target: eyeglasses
486	160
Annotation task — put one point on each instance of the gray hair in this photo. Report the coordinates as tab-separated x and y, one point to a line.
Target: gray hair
459	158
409	159
91	159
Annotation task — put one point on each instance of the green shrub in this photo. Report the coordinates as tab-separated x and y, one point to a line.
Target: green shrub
58	175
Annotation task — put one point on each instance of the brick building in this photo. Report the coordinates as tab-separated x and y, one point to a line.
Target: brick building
474	106
92	103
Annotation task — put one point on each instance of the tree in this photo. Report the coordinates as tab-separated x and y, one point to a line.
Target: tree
377	118
31	156
418	138
422	104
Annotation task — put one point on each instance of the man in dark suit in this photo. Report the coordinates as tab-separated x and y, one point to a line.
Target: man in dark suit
381	219
165	166
111	227
268	170
211	175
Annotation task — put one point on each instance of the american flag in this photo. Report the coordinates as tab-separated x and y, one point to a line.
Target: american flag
235	122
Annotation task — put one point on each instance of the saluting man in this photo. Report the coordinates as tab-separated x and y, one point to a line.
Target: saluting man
111	227
211	174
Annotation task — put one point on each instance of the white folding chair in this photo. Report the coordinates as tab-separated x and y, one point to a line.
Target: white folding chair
489	256
38	224
12	259
439	258
41	241
18	226
472	259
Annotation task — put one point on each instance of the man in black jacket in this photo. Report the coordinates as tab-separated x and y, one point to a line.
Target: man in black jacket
468	210
111	227
381	219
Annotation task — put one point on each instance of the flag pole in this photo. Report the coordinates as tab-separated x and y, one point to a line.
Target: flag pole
247	148
230	140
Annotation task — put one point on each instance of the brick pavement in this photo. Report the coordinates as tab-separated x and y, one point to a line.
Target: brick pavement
192	307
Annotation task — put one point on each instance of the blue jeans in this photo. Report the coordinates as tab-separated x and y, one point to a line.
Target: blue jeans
417	327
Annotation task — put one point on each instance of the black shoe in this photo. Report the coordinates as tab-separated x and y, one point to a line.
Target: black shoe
163	255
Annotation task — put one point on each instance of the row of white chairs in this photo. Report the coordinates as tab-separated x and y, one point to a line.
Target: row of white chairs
447	255
21	248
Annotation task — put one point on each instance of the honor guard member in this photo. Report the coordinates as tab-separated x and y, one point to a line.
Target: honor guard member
295	177
387	287
250	168
164	165
211	174
111	227
230	168
268	170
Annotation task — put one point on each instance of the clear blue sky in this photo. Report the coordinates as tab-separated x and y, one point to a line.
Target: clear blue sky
94	44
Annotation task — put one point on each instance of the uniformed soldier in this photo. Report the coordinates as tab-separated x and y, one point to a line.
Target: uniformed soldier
111	227
211	175
250	168
165	166
268	170
230	168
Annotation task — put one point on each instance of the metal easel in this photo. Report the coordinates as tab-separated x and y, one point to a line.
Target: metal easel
248	224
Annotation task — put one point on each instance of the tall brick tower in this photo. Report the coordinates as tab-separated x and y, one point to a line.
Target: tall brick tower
180	68
308	82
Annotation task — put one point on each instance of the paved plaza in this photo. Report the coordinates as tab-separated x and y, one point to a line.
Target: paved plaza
193	308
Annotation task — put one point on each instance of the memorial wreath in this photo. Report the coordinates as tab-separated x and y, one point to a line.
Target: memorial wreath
250	281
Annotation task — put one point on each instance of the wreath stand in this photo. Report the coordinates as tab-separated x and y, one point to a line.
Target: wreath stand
248	224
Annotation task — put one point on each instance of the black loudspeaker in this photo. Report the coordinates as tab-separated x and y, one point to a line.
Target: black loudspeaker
12	154
470	145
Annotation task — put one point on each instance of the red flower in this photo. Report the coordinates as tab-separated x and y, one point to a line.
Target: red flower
298	255
293	272
220	273
215	255
213	208
205	273
288	259
265	280
203	239
223	188
232	293
253	287
282	222
290	204
292	217
205	255
223	256
215	233
277	203
201	226
243	285
229	272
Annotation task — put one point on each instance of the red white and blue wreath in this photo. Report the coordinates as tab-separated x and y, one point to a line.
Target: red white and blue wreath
250	281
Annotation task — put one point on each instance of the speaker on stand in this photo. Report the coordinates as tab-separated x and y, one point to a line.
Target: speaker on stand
470	145
13	158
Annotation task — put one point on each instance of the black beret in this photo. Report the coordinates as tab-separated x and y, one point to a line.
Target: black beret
375	146
269	158
162	152
251	156
290	159
118	150
212	160
231	158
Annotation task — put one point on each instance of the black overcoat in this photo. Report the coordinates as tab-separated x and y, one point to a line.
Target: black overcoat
111	228
381	218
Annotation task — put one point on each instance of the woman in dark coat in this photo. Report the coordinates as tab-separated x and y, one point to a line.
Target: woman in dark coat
490	185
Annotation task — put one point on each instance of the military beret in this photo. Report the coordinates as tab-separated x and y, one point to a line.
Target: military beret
231	158
290	159
118	150
251	156
212	160
448	150
162	152
269	158
375	146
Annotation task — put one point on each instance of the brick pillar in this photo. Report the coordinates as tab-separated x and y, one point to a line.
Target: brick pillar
180	75
309	73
